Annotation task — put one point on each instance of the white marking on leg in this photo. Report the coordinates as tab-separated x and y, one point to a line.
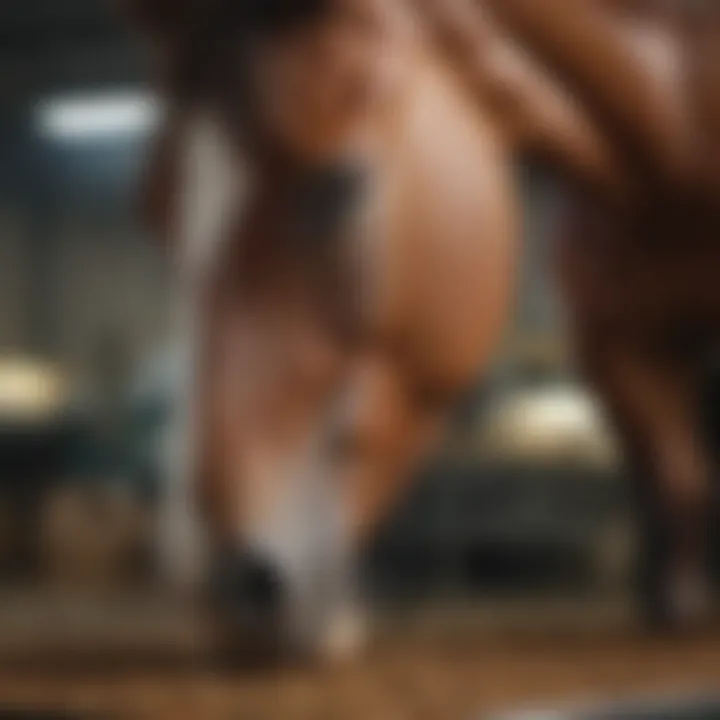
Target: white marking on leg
212	188
308	538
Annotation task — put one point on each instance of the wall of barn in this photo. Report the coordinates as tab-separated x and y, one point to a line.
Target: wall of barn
110	298
102	290
13	280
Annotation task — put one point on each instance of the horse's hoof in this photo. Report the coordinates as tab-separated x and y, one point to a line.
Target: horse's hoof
690	601
678	606
244	602
345	637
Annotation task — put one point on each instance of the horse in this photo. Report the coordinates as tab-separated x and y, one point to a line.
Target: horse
640	285
334	180
636	257
344	224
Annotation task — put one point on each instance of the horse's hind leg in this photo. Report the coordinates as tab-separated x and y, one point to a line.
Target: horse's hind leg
653	405
709	405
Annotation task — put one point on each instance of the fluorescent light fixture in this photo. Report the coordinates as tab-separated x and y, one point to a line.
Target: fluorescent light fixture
30	390
102	116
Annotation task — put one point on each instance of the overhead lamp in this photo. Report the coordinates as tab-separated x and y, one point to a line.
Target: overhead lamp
98	116
29	389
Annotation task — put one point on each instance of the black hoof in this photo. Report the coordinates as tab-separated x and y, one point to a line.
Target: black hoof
245	600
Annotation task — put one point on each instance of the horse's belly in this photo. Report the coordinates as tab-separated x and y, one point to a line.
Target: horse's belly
448	253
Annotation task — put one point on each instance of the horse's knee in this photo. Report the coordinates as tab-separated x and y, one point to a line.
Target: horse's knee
684	479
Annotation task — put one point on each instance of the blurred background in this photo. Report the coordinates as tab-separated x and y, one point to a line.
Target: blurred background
521	519
83	297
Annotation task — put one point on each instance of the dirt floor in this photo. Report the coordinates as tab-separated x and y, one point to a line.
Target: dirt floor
473	666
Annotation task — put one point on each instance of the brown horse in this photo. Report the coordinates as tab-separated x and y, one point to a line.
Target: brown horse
366	218
336	180
638	254
641	282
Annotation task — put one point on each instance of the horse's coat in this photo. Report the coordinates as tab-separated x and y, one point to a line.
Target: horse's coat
641	285
390	297
326	363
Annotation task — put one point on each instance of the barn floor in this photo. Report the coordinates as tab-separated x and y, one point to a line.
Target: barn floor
458	664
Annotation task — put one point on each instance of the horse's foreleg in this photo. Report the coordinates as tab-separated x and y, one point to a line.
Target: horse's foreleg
386	431
382	432
653	406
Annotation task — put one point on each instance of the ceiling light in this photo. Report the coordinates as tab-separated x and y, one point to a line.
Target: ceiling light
127	114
